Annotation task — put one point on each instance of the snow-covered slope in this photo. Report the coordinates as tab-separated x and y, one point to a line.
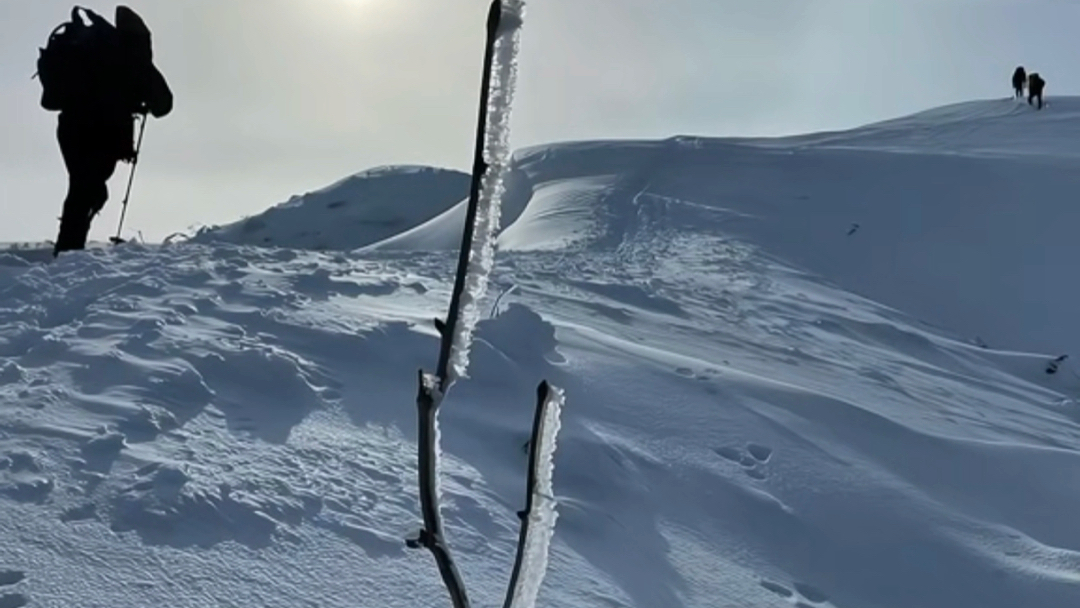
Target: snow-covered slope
962	216
1000	127
355	211
757	413
981	246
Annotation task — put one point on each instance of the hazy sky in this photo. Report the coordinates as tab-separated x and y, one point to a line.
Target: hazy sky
279	97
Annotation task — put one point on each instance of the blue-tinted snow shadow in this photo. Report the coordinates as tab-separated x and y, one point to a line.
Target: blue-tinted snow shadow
894	533
488	424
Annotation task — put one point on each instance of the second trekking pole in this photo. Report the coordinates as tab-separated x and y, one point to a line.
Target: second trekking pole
116	240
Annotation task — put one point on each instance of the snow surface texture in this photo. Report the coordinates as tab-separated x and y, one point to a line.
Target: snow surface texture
761	415
496	154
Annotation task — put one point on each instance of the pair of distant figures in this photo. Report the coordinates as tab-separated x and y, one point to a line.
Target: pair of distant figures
1034	84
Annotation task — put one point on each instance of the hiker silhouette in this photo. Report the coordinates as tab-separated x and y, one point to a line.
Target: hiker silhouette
1035	88
99	77
1019	79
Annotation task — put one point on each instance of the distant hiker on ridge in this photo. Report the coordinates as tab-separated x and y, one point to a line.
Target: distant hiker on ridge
99	77
1035	88
1019	78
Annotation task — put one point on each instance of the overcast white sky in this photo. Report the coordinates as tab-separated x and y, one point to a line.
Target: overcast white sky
279	97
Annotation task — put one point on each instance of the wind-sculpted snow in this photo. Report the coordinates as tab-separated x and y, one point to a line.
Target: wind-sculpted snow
221	399
354	212
193	425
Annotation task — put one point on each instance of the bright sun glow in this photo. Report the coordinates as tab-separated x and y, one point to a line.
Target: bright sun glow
367	7
348	14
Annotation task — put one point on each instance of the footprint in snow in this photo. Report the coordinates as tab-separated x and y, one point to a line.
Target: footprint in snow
811	593
760	453
777	588
752	460
730	453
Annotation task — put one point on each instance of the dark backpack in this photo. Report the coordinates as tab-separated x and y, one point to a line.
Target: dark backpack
70	65
146	87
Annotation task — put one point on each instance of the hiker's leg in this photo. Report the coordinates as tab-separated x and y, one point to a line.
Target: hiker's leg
90	162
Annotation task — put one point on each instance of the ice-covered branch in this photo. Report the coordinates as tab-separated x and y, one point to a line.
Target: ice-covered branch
491	163
475	260
538	517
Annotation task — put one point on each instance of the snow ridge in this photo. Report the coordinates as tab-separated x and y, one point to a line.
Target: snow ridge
497	158
543	514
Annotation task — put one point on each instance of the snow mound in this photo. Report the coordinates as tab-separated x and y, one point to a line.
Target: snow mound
443	232
962	238
351	213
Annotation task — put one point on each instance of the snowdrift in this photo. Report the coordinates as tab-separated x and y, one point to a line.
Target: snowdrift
961	216
759	409
356	211
443	232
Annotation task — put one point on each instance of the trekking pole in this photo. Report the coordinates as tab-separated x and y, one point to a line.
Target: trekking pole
116	240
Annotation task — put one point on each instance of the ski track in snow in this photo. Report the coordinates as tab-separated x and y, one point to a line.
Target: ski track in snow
221	424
